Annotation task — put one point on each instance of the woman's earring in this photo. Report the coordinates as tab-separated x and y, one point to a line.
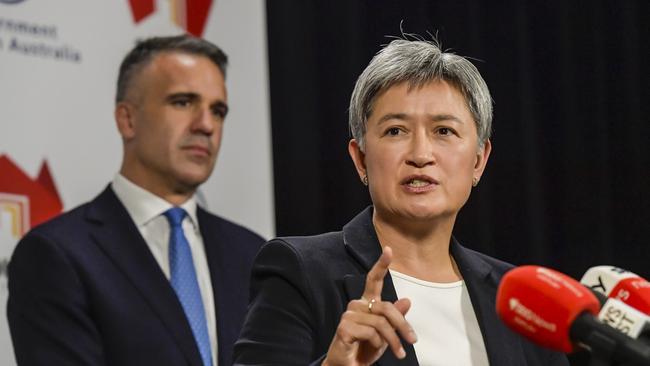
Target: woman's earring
474	182
365	180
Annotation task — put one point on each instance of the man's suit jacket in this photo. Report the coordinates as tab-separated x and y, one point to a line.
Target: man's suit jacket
84	289
301	286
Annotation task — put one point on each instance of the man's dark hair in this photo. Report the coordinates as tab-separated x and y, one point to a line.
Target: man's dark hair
145	50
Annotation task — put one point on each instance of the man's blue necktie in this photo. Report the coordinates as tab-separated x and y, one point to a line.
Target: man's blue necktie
183	280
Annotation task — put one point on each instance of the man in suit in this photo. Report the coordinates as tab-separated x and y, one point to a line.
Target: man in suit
141	275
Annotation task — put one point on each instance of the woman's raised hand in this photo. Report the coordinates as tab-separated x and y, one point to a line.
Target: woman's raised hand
370	325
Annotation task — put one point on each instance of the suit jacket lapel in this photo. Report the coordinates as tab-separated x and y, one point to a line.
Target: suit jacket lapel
503	346
360	240
223	278
116	234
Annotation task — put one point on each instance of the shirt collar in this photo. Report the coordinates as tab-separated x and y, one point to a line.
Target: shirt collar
144	206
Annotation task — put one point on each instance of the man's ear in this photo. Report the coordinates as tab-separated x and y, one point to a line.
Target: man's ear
358	158
482	157
125	120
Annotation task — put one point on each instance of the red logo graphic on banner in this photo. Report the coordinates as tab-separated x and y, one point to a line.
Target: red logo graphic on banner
190	15
28	202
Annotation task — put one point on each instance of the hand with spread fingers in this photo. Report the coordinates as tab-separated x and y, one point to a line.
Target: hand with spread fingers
370	325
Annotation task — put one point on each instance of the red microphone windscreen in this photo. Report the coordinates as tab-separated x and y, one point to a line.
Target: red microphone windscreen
541	304
635	292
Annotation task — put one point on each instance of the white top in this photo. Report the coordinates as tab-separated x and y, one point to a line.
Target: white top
146	210
443	319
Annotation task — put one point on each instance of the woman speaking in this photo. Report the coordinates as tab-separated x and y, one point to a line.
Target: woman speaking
394	287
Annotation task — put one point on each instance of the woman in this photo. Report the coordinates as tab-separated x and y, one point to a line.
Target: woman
394	284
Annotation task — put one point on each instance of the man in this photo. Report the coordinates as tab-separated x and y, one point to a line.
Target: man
141	275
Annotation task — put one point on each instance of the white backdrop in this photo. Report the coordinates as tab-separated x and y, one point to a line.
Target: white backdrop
58	67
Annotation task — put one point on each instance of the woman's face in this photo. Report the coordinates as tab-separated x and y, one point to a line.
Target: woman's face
421	152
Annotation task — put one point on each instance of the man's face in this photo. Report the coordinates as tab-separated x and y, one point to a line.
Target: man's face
172	123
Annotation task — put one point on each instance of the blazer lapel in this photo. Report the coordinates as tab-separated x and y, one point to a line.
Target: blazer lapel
360	240
503	346
116	234
223	278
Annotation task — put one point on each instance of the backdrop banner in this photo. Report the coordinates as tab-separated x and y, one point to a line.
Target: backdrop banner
59	145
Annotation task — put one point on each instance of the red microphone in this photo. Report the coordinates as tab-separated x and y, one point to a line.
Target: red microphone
556	311
542	304
634	292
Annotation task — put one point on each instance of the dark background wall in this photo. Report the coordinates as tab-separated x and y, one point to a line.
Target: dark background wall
568	180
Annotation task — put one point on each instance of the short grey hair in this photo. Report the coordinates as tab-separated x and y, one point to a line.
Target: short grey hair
145	51
419	62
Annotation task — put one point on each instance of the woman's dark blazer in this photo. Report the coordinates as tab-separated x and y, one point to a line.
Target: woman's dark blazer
301	285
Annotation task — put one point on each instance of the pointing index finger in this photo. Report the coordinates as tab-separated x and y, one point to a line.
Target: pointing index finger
375	278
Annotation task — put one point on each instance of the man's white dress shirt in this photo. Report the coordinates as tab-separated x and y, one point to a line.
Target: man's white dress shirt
146	210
